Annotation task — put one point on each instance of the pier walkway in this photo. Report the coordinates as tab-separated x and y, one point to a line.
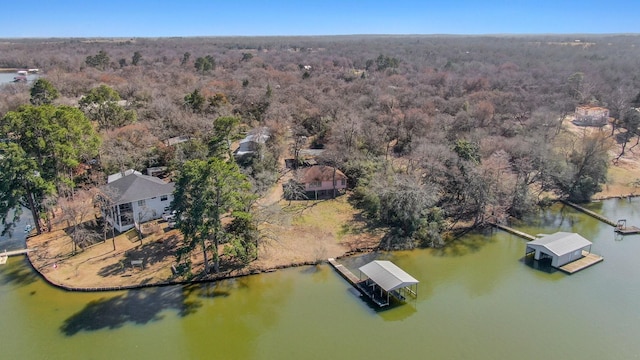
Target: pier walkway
514	231
620	225
604	219
4	255
584	262
348	275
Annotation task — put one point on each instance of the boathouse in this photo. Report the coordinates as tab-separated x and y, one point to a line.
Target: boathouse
561	247
383	279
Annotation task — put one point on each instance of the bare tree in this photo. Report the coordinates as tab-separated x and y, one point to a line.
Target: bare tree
79	212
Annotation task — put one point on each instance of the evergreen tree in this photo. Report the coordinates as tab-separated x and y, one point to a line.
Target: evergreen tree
44	144
43	93
206	192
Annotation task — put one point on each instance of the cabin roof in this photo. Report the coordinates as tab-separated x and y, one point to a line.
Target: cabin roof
321	173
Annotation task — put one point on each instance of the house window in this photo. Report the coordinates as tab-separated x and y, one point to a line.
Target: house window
315	184
141	203
164	197
343	182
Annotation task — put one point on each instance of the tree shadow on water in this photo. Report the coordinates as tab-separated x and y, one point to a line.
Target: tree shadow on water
466	243
17	273
136	307
208	290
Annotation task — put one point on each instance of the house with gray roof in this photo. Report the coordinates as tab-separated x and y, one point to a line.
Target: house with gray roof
135	198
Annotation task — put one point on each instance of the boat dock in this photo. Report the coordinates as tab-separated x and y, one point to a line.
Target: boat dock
348	275
584	262
620	226
590	213
623	229
367	288
514	231
587	260
5	254
16	252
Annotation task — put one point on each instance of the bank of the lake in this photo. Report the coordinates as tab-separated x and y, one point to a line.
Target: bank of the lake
298	238
477	299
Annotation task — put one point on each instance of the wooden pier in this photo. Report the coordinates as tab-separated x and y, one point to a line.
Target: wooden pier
620	225
360	285
590	213
4	255
348	275
15	252
584	262
623	229
514	231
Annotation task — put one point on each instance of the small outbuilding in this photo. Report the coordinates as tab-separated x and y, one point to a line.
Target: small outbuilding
384	279
561	247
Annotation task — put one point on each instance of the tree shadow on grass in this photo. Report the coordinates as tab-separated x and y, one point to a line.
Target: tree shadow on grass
137	307
113	269
149	253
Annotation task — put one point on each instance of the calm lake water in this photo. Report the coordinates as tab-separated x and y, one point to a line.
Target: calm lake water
477	300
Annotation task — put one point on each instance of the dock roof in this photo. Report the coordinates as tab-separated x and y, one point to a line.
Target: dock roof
560	243
387	275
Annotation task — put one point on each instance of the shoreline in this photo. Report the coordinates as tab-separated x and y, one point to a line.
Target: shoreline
50	267
30	256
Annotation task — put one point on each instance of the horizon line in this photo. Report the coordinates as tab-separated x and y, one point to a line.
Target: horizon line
321	35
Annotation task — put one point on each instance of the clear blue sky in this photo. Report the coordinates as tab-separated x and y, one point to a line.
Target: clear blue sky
148	18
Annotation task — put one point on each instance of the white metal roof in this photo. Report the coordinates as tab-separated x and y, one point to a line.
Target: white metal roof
387	275
560	243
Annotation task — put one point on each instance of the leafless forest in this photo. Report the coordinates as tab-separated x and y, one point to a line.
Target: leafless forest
430	130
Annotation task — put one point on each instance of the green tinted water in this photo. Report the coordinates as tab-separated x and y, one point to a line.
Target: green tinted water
477	300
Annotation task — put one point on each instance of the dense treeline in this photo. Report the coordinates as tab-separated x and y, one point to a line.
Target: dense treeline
430	130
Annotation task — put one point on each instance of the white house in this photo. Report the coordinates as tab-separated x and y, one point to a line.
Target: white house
136	198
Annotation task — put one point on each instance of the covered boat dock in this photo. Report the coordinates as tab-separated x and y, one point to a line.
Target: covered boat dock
381	280
569	252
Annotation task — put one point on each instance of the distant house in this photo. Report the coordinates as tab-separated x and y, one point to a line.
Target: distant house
320	181
588	115
251	143
157	171
177	140
136	198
